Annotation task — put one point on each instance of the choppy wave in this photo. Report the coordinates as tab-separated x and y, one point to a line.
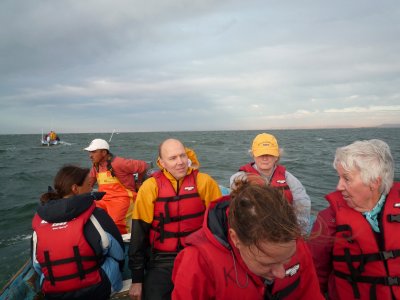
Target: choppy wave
14	240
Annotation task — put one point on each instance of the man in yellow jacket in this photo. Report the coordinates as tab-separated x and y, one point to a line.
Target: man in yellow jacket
169	206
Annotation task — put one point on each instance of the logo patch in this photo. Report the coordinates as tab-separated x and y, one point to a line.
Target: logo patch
61	225
189	188
293	270
397	205
281	181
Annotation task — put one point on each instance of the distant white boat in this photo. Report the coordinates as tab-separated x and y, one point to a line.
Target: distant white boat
50	139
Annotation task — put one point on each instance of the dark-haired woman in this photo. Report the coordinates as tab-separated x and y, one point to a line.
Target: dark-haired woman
250	247
77	248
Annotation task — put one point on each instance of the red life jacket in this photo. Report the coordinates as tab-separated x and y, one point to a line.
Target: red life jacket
235	278
278	179
176	214
361	269
66	258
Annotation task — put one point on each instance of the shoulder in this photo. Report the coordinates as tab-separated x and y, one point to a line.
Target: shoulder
289	175
304	255
148	184
104	219
205	178
107	223
192	256
325	224
119	161
148	190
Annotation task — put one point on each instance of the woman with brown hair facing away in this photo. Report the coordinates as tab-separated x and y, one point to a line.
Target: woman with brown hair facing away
250	247
77	249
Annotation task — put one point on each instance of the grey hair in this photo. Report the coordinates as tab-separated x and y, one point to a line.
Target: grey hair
372	158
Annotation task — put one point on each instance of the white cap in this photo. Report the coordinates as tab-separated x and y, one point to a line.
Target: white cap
97	144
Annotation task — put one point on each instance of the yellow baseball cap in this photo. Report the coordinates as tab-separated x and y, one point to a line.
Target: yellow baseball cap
265	143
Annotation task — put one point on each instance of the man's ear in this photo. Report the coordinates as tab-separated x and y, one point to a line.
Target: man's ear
161	163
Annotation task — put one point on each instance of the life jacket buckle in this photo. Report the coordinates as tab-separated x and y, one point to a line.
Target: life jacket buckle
394	218
385	255
392	280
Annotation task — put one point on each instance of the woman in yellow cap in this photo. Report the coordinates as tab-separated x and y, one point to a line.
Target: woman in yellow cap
266	153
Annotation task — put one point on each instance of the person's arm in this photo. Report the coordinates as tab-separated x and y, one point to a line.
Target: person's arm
208	188
125	168
142	218
112	250
131	165
191	276
92	177
301	200
320	244
114	255
35	263
108	225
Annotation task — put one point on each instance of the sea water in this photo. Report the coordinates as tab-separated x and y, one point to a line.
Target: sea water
27	168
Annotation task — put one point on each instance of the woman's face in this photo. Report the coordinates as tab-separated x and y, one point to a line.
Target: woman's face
269	259
266	163
358	195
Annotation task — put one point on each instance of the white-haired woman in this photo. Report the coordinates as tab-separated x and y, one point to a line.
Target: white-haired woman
357	250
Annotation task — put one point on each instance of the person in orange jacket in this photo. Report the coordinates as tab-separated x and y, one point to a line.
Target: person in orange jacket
114	175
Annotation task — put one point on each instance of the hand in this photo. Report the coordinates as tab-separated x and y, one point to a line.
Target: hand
135	292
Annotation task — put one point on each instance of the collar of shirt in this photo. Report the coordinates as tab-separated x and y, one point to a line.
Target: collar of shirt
372	215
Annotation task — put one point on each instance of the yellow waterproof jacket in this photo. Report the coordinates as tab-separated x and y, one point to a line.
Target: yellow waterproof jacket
143	215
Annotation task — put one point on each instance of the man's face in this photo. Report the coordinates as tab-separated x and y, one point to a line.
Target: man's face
174	158
97	156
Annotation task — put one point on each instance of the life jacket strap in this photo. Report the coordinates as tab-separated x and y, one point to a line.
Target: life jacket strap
47	261
176	198
77	258
170	234
379	256
347	232
386	280
178	218
282	293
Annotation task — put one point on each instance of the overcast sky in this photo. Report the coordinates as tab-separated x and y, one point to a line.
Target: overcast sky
166	65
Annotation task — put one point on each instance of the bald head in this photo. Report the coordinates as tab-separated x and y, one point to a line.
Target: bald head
167	145
173	158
